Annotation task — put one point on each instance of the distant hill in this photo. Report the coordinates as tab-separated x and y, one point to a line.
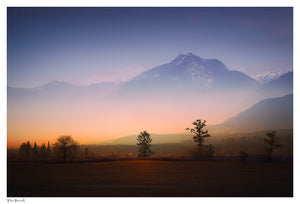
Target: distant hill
58	90
156	139
273	113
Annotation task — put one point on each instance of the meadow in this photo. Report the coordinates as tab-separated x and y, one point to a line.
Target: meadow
149	178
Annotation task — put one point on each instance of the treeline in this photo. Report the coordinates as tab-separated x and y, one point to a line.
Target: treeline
256	146
66	149
253	144
226	148
34	152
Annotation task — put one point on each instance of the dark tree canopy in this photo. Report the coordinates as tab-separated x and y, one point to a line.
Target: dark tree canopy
25	150
28	152
43	151
66	146
144	144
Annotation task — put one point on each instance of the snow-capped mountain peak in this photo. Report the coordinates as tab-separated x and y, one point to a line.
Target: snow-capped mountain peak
189	71
264	78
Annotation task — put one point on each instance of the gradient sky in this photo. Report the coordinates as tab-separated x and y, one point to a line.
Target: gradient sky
89	45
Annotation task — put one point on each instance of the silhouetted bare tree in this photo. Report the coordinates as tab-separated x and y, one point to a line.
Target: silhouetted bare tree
271	142
203	151
66	146
144	143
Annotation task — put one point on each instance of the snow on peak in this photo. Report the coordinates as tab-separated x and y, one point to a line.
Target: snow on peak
180	60
268	76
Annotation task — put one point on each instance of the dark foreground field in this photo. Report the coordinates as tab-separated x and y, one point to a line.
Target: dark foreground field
149	178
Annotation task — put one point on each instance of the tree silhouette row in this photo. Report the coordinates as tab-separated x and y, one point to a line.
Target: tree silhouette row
66	147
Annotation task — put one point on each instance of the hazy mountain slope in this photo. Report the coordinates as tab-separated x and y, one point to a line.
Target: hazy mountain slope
57	90
156	139
273	113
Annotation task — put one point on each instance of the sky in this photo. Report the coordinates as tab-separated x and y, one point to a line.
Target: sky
91	45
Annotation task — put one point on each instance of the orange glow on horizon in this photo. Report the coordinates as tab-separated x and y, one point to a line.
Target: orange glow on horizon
95	122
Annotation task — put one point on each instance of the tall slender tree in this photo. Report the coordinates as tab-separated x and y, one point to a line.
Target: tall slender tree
204	151
272	144
144	145
48	150
28	149
35	150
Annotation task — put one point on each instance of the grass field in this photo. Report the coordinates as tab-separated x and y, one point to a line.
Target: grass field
149	178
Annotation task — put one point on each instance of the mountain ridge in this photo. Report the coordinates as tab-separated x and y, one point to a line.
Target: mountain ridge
280	86
266	77
273	113
191	72
186	72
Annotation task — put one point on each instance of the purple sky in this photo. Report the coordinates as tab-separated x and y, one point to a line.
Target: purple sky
89	45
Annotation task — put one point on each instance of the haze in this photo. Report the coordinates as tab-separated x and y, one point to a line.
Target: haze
81	47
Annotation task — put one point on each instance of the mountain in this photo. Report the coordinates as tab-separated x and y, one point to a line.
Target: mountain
265	78
97	110
51	86
55	85
189	72
284	82
273	113
279	86
58	89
